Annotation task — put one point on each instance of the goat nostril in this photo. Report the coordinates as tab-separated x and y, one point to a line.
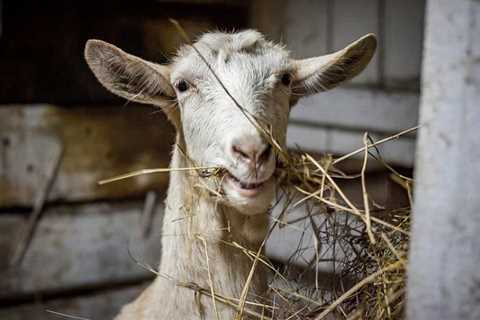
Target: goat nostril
266	153
252	154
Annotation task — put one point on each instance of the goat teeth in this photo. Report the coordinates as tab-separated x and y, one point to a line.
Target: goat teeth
244	185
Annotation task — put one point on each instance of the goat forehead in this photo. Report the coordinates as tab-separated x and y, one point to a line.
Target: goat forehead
232	41
245	52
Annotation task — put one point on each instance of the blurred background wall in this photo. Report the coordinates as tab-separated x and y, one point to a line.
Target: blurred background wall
61	132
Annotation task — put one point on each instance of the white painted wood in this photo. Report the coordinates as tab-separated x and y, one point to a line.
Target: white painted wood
20	160
351	20
99	142
305	27
403	42
360	109
340	142
78	245
443	280
334	121
315	27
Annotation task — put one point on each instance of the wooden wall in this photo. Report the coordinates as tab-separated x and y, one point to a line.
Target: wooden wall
383	99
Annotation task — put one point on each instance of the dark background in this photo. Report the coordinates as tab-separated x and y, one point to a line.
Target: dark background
41	47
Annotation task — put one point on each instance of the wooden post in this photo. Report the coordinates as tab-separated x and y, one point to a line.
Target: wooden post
444	272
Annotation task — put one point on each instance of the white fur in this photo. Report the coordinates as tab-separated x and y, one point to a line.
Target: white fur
210	120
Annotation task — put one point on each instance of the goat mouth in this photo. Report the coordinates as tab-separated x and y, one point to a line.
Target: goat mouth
247	189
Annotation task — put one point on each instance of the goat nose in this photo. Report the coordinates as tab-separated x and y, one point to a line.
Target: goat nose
251	151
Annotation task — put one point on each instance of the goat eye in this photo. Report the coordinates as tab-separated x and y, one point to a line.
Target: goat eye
286	79
182	85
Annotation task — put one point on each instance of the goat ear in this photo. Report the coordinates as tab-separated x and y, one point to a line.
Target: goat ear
326	72
128	76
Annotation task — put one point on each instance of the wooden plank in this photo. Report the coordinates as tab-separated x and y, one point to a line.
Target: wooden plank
100	305
78	246
98	142
351	20
443	280
339	142
404	22
359	109
334	121
305	27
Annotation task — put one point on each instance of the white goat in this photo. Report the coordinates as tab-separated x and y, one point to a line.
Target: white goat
204	216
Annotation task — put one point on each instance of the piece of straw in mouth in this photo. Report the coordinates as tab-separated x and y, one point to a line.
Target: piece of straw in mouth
204	171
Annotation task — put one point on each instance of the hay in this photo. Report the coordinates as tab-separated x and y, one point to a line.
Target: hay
372	255
370	282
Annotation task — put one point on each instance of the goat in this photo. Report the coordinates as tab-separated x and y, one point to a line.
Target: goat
211	91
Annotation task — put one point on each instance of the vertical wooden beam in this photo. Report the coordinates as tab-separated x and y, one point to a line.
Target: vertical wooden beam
444	278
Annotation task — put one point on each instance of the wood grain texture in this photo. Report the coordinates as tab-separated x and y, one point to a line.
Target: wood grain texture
78	246
103	305
360	109
98	142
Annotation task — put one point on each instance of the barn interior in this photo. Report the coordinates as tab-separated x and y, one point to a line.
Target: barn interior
67	243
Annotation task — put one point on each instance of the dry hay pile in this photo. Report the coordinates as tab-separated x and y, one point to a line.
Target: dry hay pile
367	246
